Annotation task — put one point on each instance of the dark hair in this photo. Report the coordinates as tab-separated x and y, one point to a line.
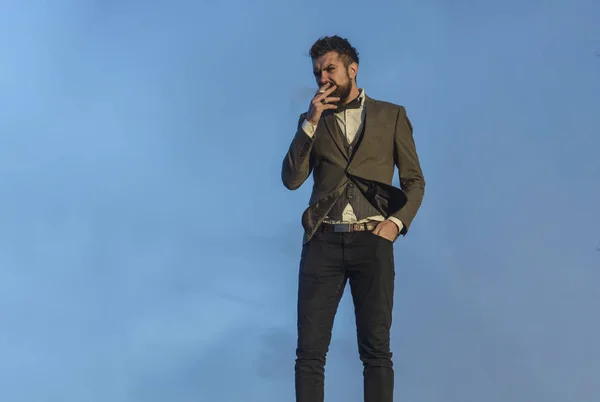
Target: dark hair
334	44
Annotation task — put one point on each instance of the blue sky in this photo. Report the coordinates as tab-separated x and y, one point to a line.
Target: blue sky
149	252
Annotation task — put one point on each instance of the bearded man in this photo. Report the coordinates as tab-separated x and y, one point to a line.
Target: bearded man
351	143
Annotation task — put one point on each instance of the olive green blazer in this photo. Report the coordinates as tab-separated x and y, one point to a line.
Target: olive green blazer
386	144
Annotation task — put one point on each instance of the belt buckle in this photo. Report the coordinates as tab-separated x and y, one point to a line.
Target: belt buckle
341	227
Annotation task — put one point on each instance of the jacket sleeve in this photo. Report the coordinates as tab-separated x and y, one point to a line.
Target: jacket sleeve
411	177
297	163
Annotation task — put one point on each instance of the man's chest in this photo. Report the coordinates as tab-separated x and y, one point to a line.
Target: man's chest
349	123
358	140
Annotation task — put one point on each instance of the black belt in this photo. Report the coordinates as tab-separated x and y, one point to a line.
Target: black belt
348	227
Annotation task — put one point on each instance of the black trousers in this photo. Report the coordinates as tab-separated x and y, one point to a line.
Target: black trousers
327	262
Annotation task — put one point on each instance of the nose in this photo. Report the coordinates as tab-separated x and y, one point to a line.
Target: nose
323	78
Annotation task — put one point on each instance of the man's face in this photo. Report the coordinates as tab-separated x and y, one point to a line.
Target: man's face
330	68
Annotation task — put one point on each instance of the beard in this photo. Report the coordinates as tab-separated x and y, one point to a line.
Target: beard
342	91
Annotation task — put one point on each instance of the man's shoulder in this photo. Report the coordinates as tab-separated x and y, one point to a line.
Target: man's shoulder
388	111
383	104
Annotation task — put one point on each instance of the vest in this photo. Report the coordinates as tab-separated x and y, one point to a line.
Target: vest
351	195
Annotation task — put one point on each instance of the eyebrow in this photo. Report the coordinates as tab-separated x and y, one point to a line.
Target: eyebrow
316	70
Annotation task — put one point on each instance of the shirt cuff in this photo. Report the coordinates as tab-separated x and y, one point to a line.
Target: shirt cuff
308	128
398	223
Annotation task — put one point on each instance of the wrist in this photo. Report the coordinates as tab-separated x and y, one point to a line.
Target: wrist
308	127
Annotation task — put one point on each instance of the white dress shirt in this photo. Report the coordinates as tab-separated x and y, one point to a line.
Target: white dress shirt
350	122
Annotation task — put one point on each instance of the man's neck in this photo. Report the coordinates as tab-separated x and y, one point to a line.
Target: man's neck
354	93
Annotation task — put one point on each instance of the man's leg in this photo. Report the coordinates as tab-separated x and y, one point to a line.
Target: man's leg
370	265
320	286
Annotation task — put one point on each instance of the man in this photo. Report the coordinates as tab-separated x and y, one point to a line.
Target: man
351	144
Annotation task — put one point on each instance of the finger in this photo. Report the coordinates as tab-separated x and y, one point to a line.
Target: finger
329	90
324	92
327	86
327	101
330	99
322	89
320	104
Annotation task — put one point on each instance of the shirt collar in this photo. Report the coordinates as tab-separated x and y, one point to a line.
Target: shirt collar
362	95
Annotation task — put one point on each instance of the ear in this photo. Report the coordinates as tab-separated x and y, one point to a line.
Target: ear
353	70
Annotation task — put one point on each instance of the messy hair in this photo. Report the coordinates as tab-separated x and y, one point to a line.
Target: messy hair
336	44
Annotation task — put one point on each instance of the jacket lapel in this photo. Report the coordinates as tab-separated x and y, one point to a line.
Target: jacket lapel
370	116
334	131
